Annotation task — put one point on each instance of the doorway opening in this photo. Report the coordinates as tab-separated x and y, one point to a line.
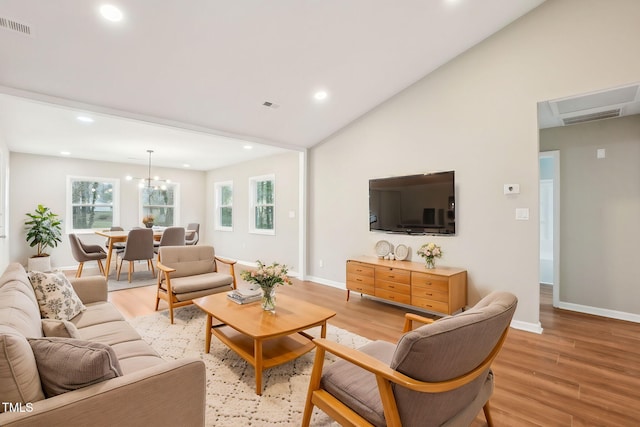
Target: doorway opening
549	163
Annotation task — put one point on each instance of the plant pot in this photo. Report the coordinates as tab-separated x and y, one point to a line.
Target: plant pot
39	263
149	225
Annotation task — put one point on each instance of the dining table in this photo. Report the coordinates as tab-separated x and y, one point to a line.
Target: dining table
114	237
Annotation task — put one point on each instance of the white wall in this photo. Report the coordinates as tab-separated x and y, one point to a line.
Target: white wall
42	180
599	212
476	115
240	244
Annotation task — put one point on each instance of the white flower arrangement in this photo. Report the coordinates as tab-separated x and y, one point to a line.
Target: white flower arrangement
268	276
429	252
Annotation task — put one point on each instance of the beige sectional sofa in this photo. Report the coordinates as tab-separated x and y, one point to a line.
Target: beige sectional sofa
147	390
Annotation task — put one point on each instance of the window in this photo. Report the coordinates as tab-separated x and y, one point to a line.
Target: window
224	206
262	203
92	203
162	203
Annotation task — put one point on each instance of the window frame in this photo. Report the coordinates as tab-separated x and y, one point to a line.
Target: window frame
218	186
115	202
253	204
175	206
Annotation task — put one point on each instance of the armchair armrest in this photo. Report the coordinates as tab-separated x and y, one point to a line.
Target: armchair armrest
90	288
231	263
92	247
409	318
169	394
384	372
164	268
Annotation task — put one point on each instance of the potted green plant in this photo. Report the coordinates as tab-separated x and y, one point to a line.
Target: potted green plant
43	231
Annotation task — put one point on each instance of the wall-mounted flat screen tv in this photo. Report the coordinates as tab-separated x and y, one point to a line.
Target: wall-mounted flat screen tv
413	204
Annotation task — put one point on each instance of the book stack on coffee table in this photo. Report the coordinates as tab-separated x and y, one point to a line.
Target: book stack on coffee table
245	296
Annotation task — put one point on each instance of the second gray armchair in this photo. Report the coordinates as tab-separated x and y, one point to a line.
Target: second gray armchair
438	374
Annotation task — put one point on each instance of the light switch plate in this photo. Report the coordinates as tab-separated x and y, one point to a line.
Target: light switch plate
522	214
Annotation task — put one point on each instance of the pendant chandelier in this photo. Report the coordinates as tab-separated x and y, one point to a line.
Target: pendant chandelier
154	182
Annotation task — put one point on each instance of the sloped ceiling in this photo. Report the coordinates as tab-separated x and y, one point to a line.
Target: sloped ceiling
204	69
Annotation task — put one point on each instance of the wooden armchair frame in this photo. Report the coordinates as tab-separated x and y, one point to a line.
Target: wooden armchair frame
168	296
385	377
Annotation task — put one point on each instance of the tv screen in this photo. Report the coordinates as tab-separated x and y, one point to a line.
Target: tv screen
414	204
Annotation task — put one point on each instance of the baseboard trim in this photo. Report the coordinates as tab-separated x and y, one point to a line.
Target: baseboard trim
535	328
326	282
603	312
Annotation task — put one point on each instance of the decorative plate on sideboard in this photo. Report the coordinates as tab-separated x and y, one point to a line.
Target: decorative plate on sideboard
383	248
401	252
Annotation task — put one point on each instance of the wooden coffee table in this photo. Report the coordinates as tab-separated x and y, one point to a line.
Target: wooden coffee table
262	338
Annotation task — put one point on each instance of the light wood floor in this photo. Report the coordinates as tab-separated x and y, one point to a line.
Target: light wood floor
581	371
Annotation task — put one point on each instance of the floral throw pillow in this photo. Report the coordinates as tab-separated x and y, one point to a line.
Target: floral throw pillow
55	295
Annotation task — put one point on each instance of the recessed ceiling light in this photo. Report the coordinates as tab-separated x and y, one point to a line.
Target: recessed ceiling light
85	119
186	165
320	95
65	153
248	147
111	13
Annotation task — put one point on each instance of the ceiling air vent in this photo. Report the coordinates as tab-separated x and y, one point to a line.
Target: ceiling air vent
608	114
11	25
270	104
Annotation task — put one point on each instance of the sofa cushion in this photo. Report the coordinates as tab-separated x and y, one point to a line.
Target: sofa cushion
66	364
14	271
110	333
59	328
19	308
96	314
55	295
19	382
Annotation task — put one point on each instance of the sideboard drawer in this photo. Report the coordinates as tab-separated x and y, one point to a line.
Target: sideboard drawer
429	281
361	288
359	269
393	275
363	280
433	294
393	296
393	287
429	304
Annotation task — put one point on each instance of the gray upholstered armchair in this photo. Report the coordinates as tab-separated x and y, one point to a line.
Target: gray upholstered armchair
190	272
437	375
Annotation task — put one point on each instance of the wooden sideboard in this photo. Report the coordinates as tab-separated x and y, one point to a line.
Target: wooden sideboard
441	289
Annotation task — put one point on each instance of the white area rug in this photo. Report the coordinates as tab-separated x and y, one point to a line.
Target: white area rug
231	397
